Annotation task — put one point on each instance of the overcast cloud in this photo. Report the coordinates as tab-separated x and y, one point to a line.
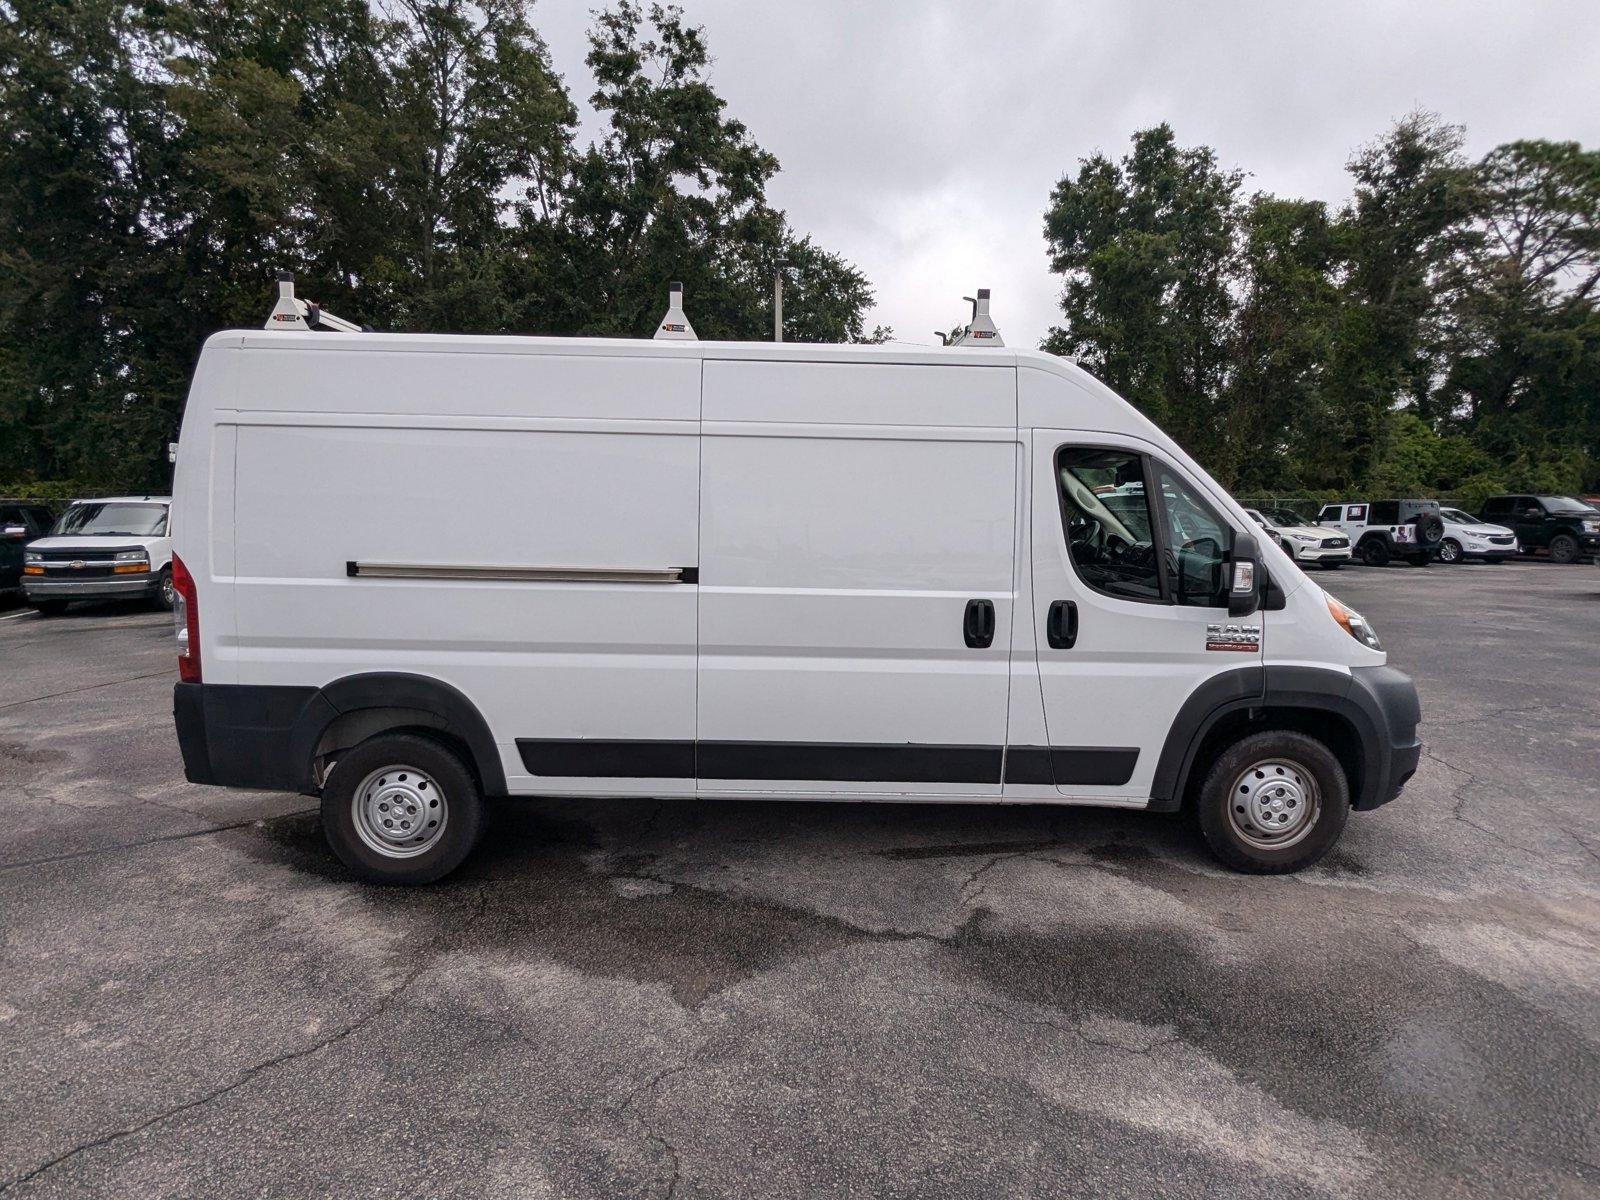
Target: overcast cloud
921	140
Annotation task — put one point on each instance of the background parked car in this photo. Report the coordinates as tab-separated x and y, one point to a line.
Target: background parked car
118	547
1301	540
1384	529
1566	527
1465	537
20	522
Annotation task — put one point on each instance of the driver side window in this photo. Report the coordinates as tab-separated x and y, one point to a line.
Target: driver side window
1197	545
1106	515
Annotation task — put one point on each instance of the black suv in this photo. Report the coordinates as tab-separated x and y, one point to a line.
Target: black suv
1566	527
20	522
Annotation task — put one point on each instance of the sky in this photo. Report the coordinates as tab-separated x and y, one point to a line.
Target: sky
922	140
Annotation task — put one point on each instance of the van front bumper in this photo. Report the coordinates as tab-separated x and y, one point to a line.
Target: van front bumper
1388	699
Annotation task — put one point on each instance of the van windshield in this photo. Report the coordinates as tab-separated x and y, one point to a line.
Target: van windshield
113	520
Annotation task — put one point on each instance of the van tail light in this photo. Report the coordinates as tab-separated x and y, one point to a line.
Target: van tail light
186	620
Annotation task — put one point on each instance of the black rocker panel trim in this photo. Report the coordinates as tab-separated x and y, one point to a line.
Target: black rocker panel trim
1087	766
602	759
824	761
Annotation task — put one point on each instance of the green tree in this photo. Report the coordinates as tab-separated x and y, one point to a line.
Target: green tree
1148	250
1277	416
676	190
1414	194
412	164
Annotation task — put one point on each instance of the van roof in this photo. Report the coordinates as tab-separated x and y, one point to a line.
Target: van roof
456	343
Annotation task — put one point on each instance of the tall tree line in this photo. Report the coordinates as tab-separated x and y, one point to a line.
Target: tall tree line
415	163
1437	334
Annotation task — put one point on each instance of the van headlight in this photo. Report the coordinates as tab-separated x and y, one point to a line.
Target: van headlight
1354	624
32	556
131	556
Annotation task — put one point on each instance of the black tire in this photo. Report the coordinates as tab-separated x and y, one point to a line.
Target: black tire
1299	761
1375	552
165	598
49	608
1430	529
1450	552
411	756
1564	548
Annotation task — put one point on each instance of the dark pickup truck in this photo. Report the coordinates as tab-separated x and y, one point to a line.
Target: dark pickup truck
1567	528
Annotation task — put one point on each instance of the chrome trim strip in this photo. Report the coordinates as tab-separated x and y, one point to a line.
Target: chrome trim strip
375	570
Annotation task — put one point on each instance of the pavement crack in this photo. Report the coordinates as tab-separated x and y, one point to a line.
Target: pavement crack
155	841
389	1000
1459	798
88	687
1071	1028
667	1151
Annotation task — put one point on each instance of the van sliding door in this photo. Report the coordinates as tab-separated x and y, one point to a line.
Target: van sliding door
856	577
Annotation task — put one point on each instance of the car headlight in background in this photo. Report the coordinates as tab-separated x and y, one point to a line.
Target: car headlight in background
1354	624
1591	526
1306	538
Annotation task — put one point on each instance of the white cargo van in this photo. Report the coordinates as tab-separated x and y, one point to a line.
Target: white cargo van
587	567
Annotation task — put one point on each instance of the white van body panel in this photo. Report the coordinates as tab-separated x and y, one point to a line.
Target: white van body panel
838	557
831	510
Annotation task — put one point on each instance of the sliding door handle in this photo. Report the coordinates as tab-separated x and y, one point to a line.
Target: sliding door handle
977	624
1061	625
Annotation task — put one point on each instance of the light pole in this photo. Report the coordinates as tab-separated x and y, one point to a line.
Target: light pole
777	299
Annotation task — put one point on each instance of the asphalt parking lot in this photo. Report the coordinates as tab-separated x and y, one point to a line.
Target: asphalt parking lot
742	999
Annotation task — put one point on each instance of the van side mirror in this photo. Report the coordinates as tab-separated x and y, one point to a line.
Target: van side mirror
1244	576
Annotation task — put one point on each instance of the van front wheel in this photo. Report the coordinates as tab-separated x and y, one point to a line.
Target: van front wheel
1273	802
400	808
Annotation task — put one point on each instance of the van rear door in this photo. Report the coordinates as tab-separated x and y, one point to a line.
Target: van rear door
857	585
1130	607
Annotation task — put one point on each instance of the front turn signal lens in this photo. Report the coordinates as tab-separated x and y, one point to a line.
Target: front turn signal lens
1353	623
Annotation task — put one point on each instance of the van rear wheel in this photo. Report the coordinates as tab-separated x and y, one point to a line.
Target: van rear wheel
401	808
1273	802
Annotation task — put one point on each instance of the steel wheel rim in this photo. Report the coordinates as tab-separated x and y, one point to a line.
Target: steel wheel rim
399	812
167	592
1274	804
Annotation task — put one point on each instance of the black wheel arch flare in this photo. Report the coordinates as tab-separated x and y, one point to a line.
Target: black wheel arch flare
1377	704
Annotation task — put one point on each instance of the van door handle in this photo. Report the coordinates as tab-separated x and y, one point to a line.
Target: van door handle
1061	625
977	625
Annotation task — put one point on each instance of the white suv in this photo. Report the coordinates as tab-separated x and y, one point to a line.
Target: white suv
111	549
1467	537
1300	539
1382	530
